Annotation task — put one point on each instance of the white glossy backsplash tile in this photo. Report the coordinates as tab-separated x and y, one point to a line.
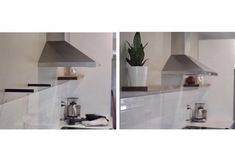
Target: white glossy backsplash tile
142	112
166	110
38	110
13	114
48	110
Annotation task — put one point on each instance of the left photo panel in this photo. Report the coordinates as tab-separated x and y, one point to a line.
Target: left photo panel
58	80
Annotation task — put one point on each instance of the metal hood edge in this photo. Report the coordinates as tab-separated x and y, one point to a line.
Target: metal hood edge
179	62
59	53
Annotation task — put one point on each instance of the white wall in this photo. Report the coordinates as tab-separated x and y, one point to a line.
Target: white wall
219	55
95	89
19	54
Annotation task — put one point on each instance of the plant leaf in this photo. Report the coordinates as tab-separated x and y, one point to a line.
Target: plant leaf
146	44
131	53
144	62
129	44
137	40
129	62
136	51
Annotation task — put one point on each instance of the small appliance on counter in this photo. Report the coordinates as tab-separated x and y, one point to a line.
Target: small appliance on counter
199	113
72	115
72	111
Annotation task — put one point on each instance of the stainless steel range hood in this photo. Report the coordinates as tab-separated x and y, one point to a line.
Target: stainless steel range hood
59	53
179	62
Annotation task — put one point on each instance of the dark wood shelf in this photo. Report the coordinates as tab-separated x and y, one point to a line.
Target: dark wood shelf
38	85
193	85
144	89
20	90
158	89
67	78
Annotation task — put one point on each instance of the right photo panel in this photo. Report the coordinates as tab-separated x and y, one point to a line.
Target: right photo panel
177	80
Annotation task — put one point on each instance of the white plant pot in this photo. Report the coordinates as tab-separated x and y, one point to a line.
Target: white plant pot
137	75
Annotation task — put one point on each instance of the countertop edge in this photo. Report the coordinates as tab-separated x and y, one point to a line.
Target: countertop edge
212	124
131	94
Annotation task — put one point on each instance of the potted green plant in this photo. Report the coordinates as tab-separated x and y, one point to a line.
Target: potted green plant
137	72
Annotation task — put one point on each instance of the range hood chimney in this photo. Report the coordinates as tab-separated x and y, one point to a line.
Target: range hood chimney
179	62
59	53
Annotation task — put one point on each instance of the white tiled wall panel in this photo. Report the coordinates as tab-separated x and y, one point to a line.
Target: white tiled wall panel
48	113
38	110
13	114
142	112
166	110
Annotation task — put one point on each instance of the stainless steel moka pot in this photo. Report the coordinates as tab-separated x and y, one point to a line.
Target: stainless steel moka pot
72	110
200	113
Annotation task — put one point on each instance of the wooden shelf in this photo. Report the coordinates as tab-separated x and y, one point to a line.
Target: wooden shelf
67	78
38	85
158	89
134	88
19	90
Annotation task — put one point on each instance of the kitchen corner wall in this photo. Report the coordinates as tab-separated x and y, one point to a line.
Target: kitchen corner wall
219	55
